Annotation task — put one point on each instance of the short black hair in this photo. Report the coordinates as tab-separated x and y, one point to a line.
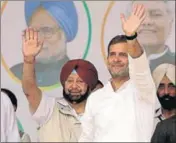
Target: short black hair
11	95
117	39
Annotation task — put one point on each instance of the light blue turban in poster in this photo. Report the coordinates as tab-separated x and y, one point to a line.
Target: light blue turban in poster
64	12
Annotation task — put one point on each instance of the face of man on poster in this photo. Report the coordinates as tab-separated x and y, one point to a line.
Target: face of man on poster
156	28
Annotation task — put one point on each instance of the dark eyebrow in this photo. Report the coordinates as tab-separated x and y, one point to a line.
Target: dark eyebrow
161	84
112	52
122	53
171	84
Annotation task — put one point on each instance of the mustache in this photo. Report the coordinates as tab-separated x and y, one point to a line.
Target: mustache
74	91
78	98
117	64
167	102
167	96
146	30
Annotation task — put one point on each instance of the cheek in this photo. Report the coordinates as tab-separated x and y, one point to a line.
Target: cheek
125	60
172	92
108	62
54	40
84	89
162	27
66	87
160	93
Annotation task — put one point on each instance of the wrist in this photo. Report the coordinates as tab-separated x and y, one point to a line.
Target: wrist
29	59
131	36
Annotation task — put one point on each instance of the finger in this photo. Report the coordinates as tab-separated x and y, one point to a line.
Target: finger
143	17
134	9
143	12
40	45
122	17
27	34
140	11
23	38
31	33
24	34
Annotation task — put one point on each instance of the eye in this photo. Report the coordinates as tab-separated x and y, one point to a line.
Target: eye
171	86
80	81
123	55
161	87
112	54
69	80
156	14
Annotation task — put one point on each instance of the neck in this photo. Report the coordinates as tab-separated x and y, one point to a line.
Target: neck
79	108
118	82
156	49
168	113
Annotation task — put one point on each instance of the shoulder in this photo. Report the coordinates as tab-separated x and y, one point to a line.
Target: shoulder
170	120
170	53
17	70
99	95
167	123
16	67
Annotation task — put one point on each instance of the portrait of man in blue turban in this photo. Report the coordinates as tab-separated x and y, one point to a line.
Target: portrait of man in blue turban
57	24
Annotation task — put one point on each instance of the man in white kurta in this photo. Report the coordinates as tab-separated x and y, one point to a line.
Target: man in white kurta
9	129
123	111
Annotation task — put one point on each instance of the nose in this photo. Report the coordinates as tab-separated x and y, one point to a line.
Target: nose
147	21
74	85
166	91
116	58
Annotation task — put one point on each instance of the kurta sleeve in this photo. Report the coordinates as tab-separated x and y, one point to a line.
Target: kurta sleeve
140	74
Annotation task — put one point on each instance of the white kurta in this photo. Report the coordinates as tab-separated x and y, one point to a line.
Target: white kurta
126	115
9	129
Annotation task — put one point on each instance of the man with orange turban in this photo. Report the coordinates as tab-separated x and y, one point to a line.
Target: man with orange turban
58	119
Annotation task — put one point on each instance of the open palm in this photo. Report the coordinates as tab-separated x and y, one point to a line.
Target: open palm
31	44
133	22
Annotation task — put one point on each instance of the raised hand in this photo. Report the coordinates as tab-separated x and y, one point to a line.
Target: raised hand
133	22
31	43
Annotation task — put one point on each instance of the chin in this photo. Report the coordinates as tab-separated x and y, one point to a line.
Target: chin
150	41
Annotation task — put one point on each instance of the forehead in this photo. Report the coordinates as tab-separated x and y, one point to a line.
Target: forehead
119	47
74	76
165	80
153	5
42	17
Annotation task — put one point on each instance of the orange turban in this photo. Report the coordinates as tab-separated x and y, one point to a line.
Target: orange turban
85	69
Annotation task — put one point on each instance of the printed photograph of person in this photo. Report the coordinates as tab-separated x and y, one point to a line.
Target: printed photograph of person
57	24
155	30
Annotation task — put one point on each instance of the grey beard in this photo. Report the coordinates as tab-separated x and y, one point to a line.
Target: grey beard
61	53
123	73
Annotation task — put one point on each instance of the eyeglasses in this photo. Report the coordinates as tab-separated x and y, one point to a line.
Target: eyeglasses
48	32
